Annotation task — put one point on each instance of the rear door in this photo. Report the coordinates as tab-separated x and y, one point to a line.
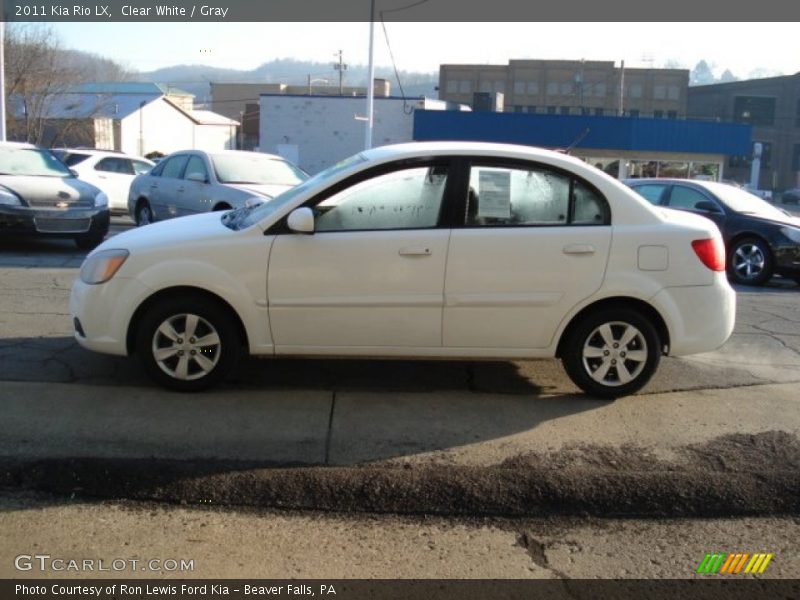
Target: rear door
533	243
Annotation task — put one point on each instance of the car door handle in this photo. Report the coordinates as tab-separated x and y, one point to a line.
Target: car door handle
415	251
578	249
180	189
153	186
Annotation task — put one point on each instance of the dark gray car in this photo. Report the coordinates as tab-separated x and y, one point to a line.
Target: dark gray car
40	196
194	181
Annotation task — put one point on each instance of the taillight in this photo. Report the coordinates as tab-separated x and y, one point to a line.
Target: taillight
711	253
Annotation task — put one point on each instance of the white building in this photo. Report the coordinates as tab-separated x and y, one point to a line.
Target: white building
135	118
316	132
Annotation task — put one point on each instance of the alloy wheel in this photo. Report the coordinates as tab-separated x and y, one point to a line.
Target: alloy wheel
186	347
748	261
614	353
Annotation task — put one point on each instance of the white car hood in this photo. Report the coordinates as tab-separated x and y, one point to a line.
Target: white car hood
262	189
191	230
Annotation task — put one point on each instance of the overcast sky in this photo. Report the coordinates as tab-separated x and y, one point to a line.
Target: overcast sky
740	47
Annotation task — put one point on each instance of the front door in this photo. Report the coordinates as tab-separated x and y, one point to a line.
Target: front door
371	276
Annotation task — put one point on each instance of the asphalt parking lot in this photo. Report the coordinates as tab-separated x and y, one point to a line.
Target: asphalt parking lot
62	403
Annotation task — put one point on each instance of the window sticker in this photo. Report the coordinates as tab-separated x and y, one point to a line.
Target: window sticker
494	194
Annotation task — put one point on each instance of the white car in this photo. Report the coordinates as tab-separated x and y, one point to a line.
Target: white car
423	250
112	172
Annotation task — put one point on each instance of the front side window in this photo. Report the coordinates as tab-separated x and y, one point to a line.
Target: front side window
140	167
198	166
404	199
650	192
174	166
511	196
685	197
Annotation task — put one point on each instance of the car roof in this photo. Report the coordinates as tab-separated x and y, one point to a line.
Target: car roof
411	149
711	186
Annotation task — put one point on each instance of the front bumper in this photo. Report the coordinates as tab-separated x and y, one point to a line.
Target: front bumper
787	259
66	222
102	313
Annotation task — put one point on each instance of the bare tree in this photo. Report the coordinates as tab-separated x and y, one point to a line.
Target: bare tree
39	71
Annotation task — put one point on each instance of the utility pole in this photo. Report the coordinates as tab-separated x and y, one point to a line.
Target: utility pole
370	79
621	110
341	67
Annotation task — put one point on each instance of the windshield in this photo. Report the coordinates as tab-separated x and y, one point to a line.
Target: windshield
745	202
31	161
262	211
252	167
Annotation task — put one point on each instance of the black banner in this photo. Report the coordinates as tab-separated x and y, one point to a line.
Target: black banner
718	587
396	10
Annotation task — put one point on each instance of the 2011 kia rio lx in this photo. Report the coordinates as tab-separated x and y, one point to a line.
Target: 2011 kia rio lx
423	250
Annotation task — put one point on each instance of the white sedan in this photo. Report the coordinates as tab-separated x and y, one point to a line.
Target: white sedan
424	250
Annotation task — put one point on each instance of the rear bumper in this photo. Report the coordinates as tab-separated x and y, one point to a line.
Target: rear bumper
21	220
699	318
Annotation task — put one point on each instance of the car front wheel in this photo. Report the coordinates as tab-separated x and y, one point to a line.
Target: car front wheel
750	262
188	344
612	352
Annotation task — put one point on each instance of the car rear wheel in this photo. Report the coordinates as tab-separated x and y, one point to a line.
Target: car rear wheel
188	343
144	214
612	352
750	262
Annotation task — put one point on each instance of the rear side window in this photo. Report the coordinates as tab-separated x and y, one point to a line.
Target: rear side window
536	195
115	165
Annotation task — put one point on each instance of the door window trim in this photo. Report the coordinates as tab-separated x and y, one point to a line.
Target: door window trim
462	200
445	211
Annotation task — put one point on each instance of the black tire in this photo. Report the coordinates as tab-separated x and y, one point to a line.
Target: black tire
750	261
627	367
144	214
193	366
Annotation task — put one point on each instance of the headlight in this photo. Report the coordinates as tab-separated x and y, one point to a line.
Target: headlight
9	198
793	233
101	267
100	200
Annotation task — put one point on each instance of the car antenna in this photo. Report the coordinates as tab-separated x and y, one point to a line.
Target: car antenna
577	141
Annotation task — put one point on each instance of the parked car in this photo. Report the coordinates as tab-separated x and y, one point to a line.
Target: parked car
791	196
40	196
112	172
193	181
761	239
424	250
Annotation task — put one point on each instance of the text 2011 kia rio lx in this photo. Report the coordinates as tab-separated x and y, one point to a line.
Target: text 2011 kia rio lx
423	250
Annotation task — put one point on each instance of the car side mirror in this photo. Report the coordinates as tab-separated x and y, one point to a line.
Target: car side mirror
74	172
301	220
198	177
706	206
